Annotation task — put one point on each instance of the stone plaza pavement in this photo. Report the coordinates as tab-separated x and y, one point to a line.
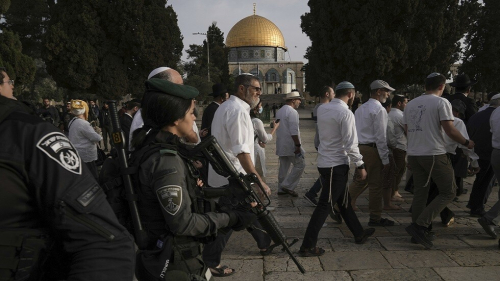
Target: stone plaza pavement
461	251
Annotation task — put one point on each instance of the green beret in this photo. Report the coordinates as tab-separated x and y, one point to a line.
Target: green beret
169	88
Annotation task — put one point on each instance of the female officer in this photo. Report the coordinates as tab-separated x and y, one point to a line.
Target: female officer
169	192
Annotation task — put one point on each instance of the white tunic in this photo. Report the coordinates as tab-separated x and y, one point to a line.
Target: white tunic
289	126
264	137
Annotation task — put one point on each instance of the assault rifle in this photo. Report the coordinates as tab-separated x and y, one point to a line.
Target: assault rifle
118	143
241	187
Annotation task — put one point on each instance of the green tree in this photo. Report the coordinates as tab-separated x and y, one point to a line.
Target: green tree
482	53
400	41
20	67
109	47
196	69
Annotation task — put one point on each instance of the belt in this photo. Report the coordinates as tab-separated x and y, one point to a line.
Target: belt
369	144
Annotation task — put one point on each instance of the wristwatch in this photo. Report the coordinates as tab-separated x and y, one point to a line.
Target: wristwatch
361	167
298	145
466	143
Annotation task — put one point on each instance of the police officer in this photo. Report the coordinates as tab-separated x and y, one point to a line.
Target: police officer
170	200
55	222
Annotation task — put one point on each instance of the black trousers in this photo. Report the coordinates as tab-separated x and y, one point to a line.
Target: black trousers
480	189
213	251
337	176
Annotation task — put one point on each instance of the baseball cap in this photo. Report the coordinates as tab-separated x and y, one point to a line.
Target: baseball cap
381	84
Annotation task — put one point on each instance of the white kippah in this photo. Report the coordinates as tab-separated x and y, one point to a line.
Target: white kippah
157	70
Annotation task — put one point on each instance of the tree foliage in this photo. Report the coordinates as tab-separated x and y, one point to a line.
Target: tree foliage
400	41
482	53
196	69
109	47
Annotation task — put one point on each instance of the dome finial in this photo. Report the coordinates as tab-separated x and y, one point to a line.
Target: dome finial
254	5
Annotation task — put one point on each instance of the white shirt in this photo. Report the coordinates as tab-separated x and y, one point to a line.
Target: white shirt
371	126
452	145
337	134
138	123
483	107
396	136
423	116
289	126
84	138
495	128
233	129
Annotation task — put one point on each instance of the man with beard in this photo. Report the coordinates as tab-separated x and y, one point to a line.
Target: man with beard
235	133
371	126
49	113
288	146
338	145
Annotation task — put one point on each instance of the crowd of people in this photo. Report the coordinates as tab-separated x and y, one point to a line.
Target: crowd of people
439	140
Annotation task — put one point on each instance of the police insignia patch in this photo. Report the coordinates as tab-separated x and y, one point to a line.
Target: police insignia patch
170	197
58	147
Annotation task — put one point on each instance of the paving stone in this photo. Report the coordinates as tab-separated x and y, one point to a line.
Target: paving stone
480	241
348	245
414	259
272	264
398	243
353	261
475	257
412	274
309	276
469	273
248	270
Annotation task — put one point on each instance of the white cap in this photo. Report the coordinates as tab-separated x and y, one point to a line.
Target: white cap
497	96
157	70
380	84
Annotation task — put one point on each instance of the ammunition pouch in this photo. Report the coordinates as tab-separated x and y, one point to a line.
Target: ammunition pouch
22	253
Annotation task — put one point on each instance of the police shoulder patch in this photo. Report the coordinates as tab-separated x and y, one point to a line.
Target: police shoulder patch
170	198
58	147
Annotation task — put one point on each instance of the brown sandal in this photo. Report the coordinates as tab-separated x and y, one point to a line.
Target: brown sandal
311	252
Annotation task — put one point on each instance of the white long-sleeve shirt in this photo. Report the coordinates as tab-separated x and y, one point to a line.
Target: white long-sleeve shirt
338	141
371	126
396	136
452	145
289	126
84	138
495	128
233	129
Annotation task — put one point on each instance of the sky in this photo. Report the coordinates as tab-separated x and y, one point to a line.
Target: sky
197	15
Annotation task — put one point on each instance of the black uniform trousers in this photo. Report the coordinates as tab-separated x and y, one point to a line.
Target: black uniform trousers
481	188
337	176
212	251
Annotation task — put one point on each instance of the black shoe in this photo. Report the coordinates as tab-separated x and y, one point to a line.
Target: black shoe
419	235
431	235
282	193
311	199
477	214
381	222
366	233
335	215
488	227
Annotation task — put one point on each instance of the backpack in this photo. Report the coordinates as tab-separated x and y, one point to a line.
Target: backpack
111	181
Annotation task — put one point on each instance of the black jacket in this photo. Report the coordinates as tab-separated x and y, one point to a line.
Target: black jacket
208	117
45	185
471	107
478	129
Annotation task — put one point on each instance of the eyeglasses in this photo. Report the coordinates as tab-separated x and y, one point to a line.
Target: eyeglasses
10	82
256	88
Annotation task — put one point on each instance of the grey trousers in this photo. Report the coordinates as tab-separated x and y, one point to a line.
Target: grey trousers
494	212
437	167
287	178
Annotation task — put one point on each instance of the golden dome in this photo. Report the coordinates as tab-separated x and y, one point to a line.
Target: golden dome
255	31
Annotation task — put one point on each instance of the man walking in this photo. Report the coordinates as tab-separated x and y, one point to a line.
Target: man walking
426	117
338	146
220	95
326	96
398	143
288	146
371	126
480	132
463	85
